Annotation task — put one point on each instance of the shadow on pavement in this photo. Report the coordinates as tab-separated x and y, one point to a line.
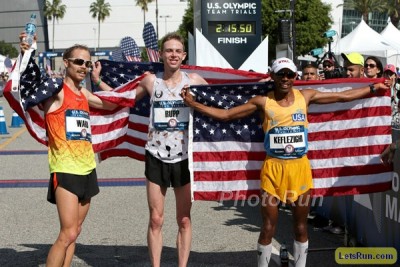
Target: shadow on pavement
105	256
322	245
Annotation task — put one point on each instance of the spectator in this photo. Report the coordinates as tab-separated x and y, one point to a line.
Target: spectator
390	74
328	64
3	80
373	67
354	65
310	73
329	71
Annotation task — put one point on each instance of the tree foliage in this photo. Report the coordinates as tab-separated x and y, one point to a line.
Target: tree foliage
393	9
143	4
8	50
53	11
187	22
311	21
366	6
100	11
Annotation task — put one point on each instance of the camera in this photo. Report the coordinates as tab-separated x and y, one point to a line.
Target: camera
316	52
329	34
339	72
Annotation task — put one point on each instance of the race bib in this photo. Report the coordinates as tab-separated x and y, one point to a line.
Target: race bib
77	125
287	142
170	115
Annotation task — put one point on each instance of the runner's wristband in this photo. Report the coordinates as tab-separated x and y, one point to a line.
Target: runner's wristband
98	83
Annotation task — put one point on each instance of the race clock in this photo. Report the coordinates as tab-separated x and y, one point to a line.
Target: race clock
232	27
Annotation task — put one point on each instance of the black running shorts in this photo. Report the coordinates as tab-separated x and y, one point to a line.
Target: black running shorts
83	186
166	174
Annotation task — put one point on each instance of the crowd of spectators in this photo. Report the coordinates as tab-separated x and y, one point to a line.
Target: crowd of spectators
354	66
3	80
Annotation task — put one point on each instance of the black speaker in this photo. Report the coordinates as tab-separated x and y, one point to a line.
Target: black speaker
284	31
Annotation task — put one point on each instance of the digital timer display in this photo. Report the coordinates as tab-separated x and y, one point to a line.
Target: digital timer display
230	27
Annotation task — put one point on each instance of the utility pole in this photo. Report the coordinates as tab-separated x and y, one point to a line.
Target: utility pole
157	18
165	21
292	5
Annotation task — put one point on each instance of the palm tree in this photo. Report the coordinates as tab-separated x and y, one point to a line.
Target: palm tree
143	4
100	10
53	11
393	10
365	6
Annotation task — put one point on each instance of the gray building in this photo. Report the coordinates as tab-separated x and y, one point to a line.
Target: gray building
15	14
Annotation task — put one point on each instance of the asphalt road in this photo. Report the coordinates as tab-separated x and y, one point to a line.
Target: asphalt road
114	233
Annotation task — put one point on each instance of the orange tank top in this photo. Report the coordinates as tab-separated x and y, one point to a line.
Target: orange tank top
69	134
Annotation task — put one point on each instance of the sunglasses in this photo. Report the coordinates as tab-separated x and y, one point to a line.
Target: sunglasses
327	66
80	62
370	65
289	74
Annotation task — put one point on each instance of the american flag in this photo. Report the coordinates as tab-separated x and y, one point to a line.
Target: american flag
36	86
117	55
150	41
130	49
345	140
117	73
27	87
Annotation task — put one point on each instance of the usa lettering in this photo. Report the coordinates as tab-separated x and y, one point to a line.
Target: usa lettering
171	113
288	139
78	112
298	117
82	123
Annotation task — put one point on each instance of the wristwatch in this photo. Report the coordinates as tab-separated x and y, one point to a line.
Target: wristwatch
372	89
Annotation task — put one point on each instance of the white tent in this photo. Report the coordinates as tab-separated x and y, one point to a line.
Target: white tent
2	67
364	40
392	34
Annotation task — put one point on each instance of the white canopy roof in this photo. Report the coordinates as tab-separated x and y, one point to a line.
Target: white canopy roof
392	34
364	40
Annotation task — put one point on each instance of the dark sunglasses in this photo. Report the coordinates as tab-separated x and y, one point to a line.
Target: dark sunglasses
327	66
80	62
289	74
369	65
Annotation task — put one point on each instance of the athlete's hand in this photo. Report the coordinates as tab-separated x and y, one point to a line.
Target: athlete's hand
96	69
388	154
188	96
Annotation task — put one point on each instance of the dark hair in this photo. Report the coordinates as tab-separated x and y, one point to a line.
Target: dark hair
68	52
310	65
172	36
378	64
